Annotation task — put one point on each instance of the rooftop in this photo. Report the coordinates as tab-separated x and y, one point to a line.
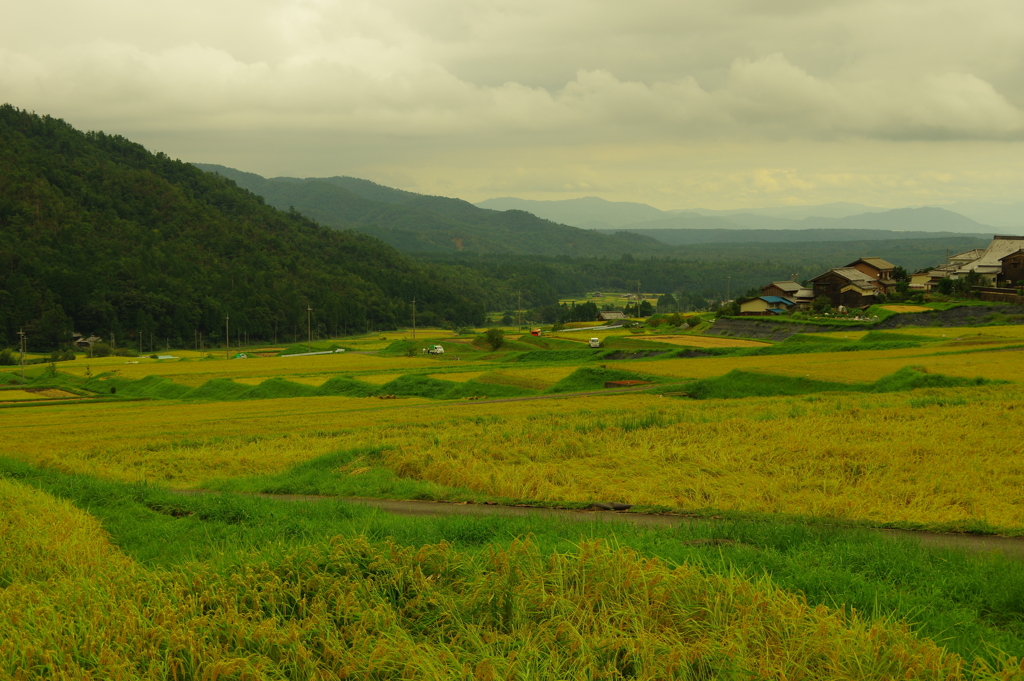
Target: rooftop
1000	247
874	262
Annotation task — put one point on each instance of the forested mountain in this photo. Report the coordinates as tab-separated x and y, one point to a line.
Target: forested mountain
100	236
414	223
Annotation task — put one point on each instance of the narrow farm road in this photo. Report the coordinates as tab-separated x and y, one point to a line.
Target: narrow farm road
1011	547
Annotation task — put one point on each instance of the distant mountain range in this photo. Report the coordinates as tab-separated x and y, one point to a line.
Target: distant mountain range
415	223
595	213
439	227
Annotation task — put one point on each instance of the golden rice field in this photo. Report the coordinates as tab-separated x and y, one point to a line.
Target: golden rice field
906	308
706	341
76	608
873	457
835	366
458	376
932	457
193	373
22	395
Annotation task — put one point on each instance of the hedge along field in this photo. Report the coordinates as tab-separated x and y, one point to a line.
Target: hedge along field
896	458
77	608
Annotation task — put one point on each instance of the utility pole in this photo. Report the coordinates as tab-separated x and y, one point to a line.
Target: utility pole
638	299
414	318
519	312
309	332
227	338
21	332
728	290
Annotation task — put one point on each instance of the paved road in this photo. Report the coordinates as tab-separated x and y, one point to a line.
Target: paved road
1011	547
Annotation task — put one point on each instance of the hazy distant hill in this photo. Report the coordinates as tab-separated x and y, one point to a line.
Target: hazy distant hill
1007	216
687	237
840	209
589	212
414	223
595	213
934	220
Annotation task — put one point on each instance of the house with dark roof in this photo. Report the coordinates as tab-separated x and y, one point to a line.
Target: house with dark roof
790	290
876	268
611	316
847	286
1012	268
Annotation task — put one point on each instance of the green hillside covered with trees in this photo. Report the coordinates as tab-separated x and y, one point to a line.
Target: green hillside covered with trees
98	235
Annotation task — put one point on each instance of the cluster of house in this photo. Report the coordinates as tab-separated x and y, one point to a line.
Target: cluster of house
1001	264
855	285
860	283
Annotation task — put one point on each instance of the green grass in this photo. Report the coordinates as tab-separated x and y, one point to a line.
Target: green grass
582	354
315	346
739	384
348	387
972	604
884	336
912	378
219	389
153	387
416	385
547	343
594	378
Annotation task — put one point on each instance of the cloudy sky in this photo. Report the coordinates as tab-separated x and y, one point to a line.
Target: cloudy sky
676	103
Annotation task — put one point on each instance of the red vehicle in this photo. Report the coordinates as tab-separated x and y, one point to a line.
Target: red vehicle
534	332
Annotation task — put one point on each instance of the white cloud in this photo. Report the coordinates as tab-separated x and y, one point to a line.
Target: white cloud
463	75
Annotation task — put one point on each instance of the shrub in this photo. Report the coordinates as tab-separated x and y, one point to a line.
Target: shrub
7	357
495	337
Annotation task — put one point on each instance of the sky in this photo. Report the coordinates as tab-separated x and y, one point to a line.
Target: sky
675	103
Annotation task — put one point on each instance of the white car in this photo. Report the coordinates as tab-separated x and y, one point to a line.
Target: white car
595	342
435	350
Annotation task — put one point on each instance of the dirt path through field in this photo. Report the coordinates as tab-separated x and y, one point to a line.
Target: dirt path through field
1011	547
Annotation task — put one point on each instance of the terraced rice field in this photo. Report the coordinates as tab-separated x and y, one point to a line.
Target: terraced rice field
706	341
906	308
235	587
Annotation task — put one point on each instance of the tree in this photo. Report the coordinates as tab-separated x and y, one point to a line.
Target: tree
667	303
900	274
495	338
821	304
